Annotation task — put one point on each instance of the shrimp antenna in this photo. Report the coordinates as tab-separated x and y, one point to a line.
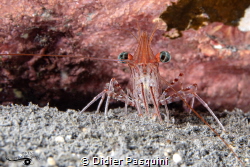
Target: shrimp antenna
73	56
134	36
139	32
152	35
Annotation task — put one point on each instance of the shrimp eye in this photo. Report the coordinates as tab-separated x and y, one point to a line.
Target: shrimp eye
124	56
164	56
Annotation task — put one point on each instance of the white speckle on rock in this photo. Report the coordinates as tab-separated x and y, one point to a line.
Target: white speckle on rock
38	151
218	46
51	161
84	129
177	158
169	150
59	139
162	144
68	137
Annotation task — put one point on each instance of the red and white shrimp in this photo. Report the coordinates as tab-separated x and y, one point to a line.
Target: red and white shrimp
146	87
145	83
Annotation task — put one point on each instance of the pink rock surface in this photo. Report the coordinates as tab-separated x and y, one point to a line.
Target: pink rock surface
216	57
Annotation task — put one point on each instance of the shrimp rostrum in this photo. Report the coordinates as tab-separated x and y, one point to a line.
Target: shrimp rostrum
146	82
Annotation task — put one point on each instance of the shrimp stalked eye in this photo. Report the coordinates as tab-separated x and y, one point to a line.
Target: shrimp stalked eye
163	56
125	56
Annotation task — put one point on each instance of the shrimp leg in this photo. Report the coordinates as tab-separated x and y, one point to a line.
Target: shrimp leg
113	90
183	94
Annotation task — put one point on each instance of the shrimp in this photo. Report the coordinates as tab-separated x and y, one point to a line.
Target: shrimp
146	83
146	87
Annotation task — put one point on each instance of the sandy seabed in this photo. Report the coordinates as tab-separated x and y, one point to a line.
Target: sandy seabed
53	138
